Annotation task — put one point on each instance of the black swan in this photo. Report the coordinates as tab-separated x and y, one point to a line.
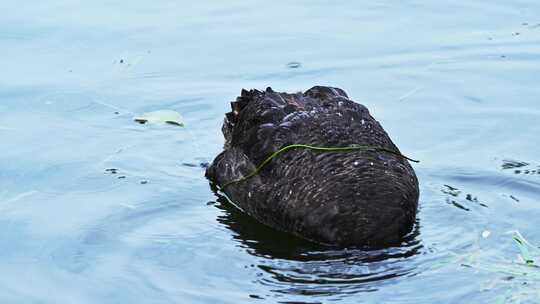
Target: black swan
317	165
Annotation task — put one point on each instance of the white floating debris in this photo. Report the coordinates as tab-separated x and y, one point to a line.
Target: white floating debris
486	234
161	116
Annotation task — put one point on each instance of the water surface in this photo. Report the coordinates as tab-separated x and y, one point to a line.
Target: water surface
454	84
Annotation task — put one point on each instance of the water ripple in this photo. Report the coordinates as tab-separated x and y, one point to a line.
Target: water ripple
293	266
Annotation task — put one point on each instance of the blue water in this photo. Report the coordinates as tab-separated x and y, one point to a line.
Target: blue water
454	84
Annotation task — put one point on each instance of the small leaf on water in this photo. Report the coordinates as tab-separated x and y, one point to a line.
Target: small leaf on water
161	116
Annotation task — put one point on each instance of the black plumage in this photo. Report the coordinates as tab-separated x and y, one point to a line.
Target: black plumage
359	198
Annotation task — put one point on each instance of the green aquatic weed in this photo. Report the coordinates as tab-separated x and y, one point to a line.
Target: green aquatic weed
354	147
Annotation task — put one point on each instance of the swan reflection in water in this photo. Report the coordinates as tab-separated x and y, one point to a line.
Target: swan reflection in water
293	266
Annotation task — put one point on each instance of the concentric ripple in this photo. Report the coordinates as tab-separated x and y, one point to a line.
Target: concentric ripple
292	266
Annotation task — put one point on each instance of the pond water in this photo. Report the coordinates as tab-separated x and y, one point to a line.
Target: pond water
454	84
